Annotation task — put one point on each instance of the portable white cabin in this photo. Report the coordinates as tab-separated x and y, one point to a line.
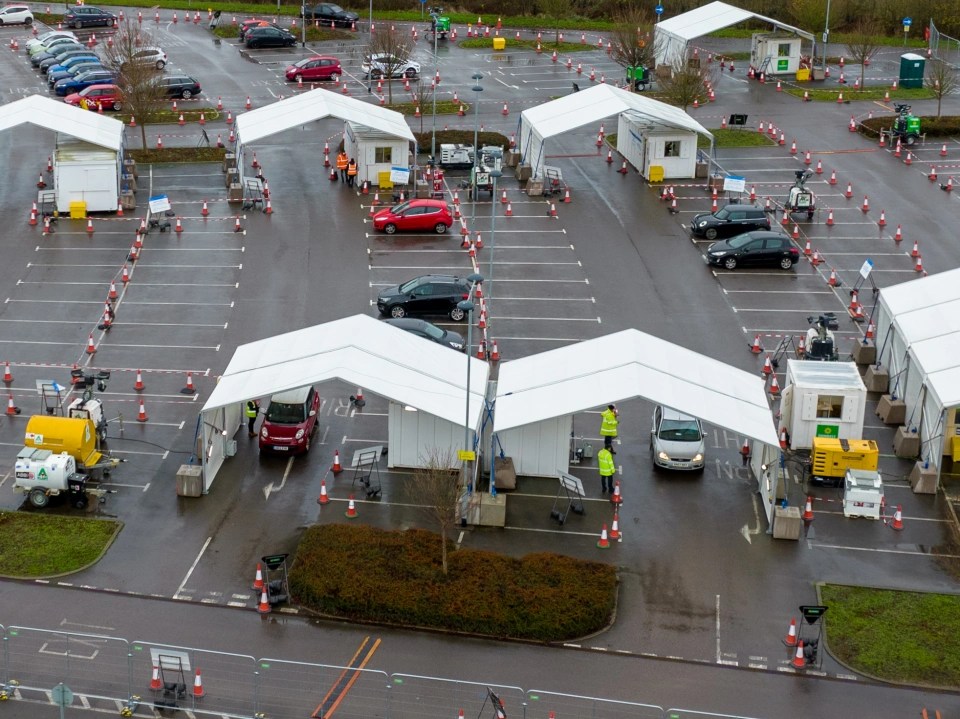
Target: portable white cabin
645	147
775	53
84	172
822	399
375	151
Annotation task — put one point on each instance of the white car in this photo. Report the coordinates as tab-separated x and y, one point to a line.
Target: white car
385	65
40	39
676	440
16	15
150	56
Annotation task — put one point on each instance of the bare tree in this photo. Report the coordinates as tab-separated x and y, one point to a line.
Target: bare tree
422	97
632	39
437	487
138	81
683	84
556	10
942	79
863	45
392	52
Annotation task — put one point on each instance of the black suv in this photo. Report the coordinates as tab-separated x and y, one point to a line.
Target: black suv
182	86
328	13
269	36
730	220
425	295
86	15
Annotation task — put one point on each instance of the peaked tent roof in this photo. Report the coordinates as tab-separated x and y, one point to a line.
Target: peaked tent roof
630	364
316	105
600	101
361	351
60	117
715	16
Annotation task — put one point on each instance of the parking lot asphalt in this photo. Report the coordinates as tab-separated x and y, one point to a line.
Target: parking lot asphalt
700	579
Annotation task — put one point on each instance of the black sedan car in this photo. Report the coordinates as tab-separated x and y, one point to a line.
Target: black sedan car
269	36
429	331
327	13
182	86
425	295
730	220
753	249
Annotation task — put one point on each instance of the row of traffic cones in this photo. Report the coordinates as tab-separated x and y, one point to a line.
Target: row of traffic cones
616	499
156	684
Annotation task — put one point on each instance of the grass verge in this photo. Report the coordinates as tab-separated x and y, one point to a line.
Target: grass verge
36	545
363	573
178	154
865	93
546	46
908	637
726	137
444	107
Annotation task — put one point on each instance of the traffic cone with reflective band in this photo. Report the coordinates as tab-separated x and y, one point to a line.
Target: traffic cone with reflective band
616	498
849	193
205	211
155	683
482	350
33	216
112	293
897	519
178	227
324	498
898	236
870	331
142	414
933	174
756	348
237	227
553	210
882	222
138	385
774	386
509	211
854	301
807	159
336	468
615	527
494	352
603	542
819	169
799	661
91	347
808	510
89	225
7	375
801	348
915	252
767	367
793	148
566	196
866	204
262	608
753	193
830	218
791	640
919	266
949	186
125	275
833	177
351	512
833	278
796	232
189	388
258	581
816	259
11	407
896	150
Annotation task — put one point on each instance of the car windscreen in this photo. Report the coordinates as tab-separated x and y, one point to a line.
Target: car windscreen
397	209
433	331
722	214
334	8
409	286
680	430
280	413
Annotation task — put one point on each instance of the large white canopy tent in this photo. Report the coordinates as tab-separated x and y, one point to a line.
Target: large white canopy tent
538	124
63	119
672	36
413	373
317	105
918	340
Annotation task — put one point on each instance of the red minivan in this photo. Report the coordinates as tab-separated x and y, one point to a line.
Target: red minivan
290	421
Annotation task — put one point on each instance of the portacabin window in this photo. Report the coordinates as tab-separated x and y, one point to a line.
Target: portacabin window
671	148
383	154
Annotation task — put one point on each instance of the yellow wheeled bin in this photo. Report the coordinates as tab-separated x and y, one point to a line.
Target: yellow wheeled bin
831	458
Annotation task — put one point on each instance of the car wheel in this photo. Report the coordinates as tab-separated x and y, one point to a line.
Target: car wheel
161	64
456	314
335	77
298	78
81	502
397	312
390	228
786	263
730	263
186	94
117	106
410	73
711	233
910	140
440	228
28	22
39	498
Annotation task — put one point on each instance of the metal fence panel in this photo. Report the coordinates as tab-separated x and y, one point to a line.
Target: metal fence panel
415	697
40	659
228	681
571	706
296	690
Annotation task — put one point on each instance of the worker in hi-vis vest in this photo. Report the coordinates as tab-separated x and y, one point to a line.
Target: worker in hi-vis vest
607	469
610	418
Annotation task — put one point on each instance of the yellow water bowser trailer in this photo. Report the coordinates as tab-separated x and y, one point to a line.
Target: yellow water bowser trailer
74	435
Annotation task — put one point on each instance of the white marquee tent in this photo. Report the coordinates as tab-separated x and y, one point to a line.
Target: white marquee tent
918	340
672	36
63	119
538	124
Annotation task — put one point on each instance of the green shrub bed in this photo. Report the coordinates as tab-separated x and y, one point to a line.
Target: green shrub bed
363	573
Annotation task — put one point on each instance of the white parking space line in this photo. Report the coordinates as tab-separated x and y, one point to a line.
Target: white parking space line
777	292
540	339
548	299
501	318
879	550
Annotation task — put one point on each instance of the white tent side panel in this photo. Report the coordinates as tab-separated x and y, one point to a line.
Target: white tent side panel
416	437
219	426
540	449
670	47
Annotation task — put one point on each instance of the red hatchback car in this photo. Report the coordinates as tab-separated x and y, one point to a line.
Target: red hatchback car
423	215
290	421
315	69
106	96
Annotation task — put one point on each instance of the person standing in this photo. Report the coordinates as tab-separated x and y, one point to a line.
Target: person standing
351	172
610	418
342	163
252	410
607	470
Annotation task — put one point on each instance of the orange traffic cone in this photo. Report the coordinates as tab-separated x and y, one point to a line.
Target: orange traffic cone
263	608
7	375
91	347
897	519
915	252
198	682
112	292
799	662
495	352
138	385
324	498
258	582
774	386
830	218
89	225
767	367
351	512
791	640
336	468
142	414
155	683
125	275
509	211
833	278
866	204
11	407
882	222
615	528
603	543
616	498
189	388
919	266
808	510
756	348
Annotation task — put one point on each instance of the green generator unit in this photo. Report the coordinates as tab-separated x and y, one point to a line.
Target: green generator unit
639	77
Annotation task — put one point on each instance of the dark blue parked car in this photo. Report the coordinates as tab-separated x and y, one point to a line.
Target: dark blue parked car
69	85
68	62
73	71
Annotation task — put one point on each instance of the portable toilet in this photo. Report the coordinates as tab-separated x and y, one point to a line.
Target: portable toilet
911	69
